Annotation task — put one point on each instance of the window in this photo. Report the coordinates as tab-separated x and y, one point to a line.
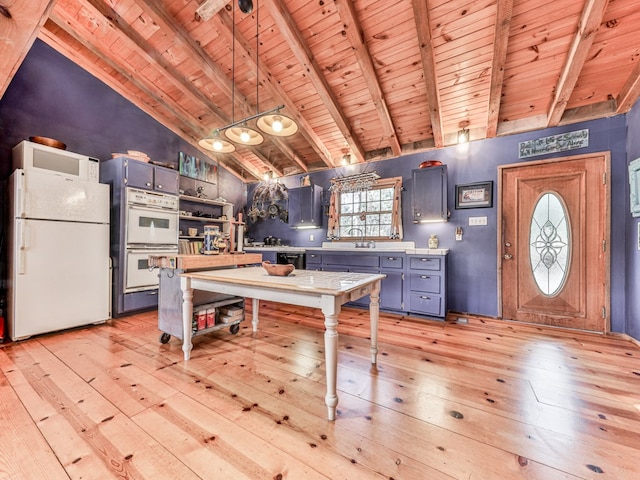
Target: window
374	214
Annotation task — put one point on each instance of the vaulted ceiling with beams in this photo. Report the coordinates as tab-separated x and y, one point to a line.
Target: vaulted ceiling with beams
364	79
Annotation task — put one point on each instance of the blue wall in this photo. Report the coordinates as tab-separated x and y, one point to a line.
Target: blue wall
51	96
632	313
472	263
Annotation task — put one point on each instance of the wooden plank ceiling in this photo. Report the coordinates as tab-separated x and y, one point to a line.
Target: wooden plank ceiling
367	79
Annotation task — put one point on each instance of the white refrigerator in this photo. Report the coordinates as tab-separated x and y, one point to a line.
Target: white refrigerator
59	265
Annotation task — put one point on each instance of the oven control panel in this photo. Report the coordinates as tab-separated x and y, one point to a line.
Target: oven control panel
146	198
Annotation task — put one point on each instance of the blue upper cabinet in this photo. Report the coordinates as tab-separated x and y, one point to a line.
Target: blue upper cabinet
305	206
429	194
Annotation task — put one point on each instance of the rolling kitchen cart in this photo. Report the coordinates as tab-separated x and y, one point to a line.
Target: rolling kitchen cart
212	311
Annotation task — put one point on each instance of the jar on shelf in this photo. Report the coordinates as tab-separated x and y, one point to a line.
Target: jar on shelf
433	241
211	236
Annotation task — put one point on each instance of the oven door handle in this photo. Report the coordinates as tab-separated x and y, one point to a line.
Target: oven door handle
135	206
152	249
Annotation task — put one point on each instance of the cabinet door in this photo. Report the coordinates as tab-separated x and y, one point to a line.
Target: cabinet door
165	180
429	194
305	206
391	289
139	174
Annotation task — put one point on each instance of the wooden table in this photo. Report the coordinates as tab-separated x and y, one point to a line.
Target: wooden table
325	290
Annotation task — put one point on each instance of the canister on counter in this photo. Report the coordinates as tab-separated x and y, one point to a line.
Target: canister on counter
211	235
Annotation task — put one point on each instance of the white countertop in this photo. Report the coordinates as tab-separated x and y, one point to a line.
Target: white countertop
380	247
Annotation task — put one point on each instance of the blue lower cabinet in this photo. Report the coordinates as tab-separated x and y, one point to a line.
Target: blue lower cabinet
414	284
426	286
314	261
425	304
391	291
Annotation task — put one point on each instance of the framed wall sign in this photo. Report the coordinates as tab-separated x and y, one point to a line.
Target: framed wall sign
197	168
474	195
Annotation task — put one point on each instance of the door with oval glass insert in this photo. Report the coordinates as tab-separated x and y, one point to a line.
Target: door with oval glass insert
553	242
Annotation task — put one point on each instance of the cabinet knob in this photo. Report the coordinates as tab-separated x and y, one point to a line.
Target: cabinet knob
148	184
160	187
424	277
391	258
425	298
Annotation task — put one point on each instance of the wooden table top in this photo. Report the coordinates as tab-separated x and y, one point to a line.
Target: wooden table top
331	283
191	262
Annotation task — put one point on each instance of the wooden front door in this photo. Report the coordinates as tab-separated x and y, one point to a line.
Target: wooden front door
553	242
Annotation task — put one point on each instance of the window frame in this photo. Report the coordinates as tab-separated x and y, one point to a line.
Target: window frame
333	232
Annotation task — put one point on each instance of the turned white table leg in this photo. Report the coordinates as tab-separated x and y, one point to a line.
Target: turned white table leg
254	318
374	315
331	359
187	316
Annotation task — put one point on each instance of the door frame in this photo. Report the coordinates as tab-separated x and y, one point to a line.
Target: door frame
607	226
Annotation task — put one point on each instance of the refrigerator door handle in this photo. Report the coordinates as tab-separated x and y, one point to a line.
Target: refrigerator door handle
20	195
22	245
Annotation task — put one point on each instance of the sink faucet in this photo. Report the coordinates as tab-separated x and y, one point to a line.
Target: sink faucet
361	243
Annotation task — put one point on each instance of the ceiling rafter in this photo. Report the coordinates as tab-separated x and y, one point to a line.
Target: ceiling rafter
193	130
304	55
504	10
224	21
19	26
356	37
583	39
630	91
137	42
423	30
51	37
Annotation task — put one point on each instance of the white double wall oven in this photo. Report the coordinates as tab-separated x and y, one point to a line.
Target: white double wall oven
151	228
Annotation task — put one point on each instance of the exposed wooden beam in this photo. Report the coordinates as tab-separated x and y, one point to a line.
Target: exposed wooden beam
164	112
20	22
137	43
356	37
504	10
423	31
587	28
630	92
303	54
244	48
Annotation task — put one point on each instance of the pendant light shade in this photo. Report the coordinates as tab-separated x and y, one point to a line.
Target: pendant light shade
244	135
277	125
217	144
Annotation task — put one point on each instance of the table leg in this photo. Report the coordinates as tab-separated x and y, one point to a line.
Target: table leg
187	316
374	315
254	319
331	360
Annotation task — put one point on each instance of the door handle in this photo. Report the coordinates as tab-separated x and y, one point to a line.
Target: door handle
508	256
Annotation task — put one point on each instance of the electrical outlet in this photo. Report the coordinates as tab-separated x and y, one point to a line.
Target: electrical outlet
477	220
311	237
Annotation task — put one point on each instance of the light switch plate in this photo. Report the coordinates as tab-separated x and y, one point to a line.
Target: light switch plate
477	220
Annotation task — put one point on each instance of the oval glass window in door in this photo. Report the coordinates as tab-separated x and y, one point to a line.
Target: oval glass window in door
549	244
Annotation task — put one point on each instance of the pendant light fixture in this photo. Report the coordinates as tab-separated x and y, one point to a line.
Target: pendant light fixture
271	122
217	144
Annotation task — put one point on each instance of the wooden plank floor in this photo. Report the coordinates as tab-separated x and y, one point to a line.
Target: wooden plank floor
482	400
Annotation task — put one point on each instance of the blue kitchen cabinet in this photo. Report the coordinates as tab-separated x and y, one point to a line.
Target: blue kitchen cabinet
305	206
150	177
314	260
429	194
392	287
426	285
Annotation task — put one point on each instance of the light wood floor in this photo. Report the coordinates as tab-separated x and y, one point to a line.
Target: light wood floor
484	400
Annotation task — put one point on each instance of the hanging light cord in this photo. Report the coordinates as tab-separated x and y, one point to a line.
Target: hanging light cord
233	63
257	57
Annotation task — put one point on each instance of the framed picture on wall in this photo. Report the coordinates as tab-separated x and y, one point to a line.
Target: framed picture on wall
474	195
194	167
